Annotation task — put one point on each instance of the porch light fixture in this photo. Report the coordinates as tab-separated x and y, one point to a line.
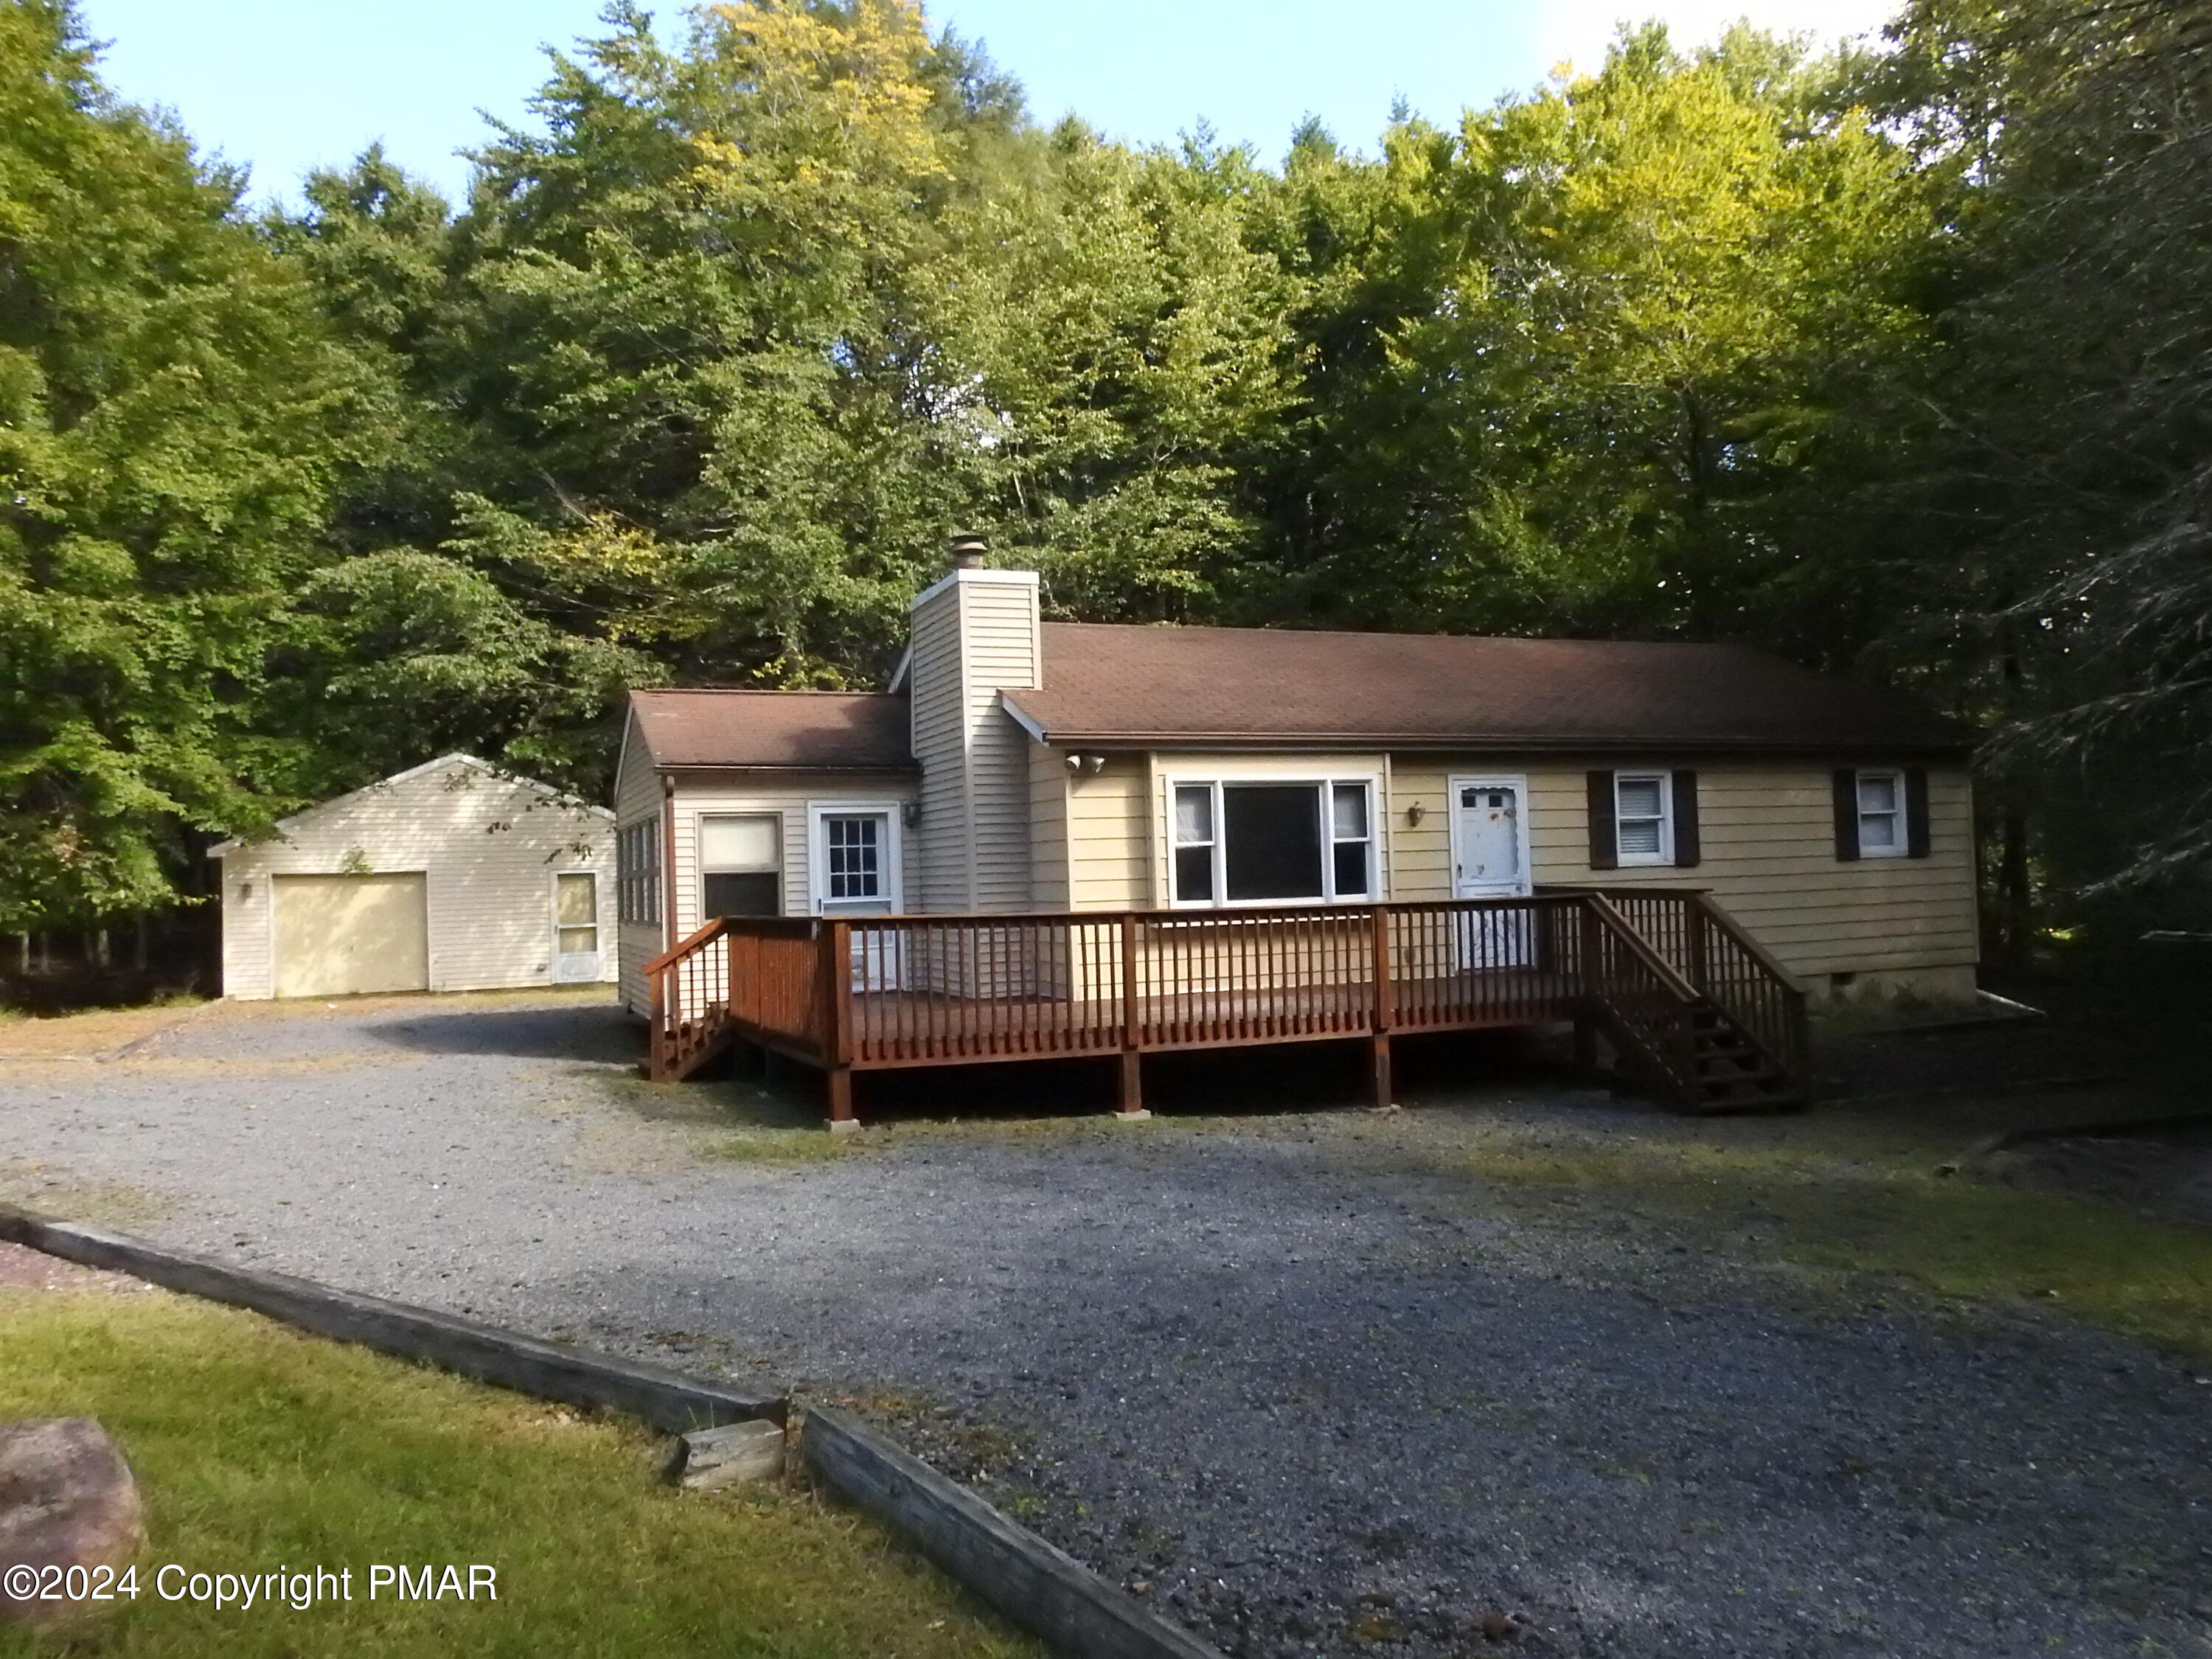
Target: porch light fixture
910	813
1416	812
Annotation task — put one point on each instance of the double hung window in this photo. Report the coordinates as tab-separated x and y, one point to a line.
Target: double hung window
740	865
1881	815
1235	842
1641	819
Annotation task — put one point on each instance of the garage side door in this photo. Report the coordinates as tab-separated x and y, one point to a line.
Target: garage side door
341	935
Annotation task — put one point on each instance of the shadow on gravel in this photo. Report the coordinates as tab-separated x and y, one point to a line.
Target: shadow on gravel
1257	1081
588	1031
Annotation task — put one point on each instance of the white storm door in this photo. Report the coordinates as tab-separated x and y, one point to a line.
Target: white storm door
856	875
575	928
1490	860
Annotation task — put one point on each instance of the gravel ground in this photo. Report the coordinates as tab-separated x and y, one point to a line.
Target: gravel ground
1296	1378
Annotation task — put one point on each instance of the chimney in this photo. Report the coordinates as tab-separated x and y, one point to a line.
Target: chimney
975	634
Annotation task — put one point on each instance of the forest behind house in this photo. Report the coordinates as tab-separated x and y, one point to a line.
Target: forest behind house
1897	361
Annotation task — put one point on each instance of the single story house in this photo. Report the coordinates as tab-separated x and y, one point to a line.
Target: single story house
1018	767
454	875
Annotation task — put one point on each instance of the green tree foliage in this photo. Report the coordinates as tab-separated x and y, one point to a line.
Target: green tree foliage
1896	360
2070	480
171	418
1579	361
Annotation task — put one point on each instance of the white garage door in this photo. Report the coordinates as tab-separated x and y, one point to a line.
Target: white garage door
343	935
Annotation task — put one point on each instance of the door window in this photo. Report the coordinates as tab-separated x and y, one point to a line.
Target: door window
854	849
576	912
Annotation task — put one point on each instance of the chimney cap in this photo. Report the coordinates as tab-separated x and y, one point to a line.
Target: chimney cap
968	548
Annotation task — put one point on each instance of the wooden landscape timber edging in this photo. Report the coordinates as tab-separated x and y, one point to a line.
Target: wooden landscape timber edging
1036	1585
667	1400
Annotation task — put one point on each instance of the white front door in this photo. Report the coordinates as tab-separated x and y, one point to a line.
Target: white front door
1490	860
856	875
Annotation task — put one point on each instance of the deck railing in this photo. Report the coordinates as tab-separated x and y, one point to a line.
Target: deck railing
874	992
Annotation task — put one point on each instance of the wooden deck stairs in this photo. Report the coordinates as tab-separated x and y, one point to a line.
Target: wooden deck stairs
1695	1011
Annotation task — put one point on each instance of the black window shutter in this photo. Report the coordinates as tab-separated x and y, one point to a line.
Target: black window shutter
1687	852
1604	838
1916	811
1847	813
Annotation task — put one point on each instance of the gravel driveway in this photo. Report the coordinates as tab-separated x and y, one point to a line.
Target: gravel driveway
1311	1382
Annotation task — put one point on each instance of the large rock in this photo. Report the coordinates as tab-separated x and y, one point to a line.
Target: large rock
66	1500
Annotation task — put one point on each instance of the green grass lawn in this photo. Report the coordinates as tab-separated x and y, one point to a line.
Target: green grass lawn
257	1448
1856	1194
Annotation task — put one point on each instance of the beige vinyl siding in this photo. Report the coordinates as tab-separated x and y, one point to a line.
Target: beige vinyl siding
488	848
1767	831
1049	791
1002	639
1109	837
1768	838
937	701
974	633
701	794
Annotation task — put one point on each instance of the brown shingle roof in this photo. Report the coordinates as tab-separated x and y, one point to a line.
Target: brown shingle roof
1235	687
839	729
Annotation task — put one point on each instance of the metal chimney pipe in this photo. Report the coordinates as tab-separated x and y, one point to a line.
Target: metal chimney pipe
968	548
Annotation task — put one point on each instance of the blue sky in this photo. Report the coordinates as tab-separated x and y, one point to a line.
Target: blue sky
286	85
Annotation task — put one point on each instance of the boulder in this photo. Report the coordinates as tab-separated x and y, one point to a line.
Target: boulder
66	1500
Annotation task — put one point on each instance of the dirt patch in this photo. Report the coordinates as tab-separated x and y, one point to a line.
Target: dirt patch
100	1034
22	1268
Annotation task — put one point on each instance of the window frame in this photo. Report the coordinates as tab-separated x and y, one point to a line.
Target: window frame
638	873
701	870
1663	779
1324	785
1900	829
817	852
598	952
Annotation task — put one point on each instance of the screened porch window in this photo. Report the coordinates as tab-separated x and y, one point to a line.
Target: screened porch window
1238	843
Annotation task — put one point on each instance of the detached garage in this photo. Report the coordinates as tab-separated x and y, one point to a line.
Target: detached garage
452	875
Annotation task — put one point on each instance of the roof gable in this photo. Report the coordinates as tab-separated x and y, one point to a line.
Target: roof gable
470	763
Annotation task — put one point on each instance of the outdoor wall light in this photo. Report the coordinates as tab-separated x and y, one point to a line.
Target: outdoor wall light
910	813
1093	764
1416	812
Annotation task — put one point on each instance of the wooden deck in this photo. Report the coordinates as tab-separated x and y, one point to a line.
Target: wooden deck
1694	1008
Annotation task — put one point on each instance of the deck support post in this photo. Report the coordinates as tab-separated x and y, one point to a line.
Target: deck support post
840	1081
836	942
1385	1003
1131	1108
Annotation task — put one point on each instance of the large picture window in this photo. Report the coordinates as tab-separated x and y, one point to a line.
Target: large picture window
1258	842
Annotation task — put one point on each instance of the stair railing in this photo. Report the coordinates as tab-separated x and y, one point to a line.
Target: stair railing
1744	982
1650	1006
687	997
